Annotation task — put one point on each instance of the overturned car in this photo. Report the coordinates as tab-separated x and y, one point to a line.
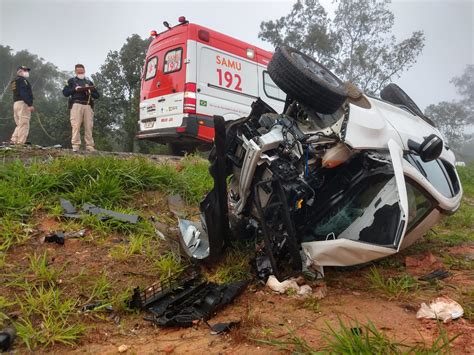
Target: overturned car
339	178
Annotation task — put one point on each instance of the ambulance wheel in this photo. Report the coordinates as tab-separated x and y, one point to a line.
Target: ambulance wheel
306	80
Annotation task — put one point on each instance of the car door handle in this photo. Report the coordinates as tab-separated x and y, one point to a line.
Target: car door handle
161	100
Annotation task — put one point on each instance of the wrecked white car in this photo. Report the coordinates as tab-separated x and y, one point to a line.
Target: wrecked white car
339	178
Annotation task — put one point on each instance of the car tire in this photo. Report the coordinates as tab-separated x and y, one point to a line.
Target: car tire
395	95
306	80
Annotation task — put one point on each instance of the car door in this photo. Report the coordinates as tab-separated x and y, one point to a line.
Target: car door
370	223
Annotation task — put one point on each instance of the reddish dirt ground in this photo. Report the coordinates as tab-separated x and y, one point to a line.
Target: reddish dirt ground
263	314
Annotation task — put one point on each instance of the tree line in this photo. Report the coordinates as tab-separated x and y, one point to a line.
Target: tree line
356	43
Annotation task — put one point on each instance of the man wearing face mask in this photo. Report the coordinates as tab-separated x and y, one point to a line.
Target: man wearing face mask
22	106
82	93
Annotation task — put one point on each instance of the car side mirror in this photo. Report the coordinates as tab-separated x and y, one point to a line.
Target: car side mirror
430	149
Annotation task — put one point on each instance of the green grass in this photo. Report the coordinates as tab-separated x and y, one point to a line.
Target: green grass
293	344
459	226
466	174
43	272
311	303
234	267
392	287
99	289
47	317
169	265
4	305
458	262
359	339
12	232
105	181
467	302
104	290
356	338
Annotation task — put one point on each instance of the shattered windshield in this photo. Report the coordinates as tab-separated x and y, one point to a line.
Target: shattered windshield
370	213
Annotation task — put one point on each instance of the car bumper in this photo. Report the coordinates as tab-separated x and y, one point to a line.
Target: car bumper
195	129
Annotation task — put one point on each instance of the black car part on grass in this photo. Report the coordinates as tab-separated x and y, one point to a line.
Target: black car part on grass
220	328
214	208
57	237
142	299
435	275
69	210
185	302
60	237
103	214
7	336
281	244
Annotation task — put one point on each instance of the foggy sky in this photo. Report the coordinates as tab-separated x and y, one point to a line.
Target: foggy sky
67	32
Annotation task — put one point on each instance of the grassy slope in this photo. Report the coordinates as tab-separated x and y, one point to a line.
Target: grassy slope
29	194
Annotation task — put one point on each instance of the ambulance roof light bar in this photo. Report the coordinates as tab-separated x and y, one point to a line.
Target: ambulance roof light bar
182	20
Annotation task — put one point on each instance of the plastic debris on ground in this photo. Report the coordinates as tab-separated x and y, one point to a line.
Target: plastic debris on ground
103	214
435	275
442	308
287	285
185	302
220	328
7	336
96	306
60	237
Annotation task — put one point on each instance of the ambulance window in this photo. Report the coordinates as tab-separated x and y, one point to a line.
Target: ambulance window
173	59
151	68
271	89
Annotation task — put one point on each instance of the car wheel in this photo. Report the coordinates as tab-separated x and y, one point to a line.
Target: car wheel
306	80
395	95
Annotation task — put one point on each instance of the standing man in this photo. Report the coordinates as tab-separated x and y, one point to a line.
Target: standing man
81	92
22	106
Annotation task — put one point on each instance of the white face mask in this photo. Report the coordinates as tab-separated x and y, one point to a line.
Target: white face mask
81	76
26	74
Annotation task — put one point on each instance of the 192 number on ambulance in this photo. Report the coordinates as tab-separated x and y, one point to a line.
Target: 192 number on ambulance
232	81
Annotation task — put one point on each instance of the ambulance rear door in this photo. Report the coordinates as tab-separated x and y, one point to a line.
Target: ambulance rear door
163	82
